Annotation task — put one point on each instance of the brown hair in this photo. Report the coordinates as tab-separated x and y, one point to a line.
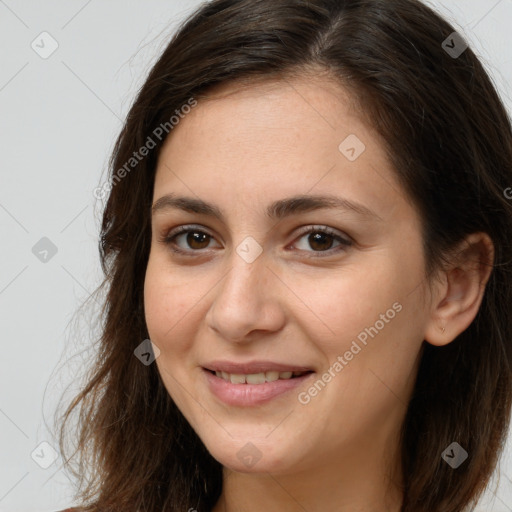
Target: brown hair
450	141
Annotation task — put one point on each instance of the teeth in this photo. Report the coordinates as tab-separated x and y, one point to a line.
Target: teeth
237	379
271	376
256	378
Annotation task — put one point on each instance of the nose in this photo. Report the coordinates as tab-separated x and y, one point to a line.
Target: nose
246	301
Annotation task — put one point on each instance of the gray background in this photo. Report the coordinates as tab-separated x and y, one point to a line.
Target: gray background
59	117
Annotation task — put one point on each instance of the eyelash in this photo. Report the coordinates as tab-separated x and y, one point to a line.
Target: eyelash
169	239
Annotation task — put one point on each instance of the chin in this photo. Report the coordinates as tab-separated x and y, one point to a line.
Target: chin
252	454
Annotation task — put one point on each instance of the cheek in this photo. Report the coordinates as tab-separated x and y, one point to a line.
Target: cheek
167	302
168	307
372	315
380	333
343	303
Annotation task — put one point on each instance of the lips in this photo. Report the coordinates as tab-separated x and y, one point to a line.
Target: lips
253	383
253	367
257	378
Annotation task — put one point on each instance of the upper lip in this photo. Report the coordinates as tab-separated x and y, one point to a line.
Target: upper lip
252	367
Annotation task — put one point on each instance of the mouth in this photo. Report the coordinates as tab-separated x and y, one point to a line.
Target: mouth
257	378
256	386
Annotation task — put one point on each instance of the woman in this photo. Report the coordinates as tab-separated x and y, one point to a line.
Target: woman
308	218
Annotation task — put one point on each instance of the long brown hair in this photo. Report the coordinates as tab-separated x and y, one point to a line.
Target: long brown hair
450	140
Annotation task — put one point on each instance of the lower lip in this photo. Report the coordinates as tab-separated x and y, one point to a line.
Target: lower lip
244	395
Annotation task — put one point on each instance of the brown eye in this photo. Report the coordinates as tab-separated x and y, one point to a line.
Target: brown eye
320	241
197	239
317	239
187	239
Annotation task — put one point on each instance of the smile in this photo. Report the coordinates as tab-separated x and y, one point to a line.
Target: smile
257	378
253	389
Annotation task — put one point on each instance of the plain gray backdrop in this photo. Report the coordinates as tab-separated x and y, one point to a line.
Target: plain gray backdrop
68	74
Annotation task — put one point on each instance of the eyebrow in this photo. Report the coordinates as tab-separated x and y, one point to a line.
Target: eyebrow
277	210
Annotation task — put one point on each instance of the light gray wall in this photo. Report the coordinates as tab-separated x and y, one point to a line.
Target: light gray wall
58	119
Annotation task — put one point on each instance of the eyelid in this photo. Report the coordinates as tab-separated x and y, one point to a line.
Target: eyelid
313	228
188	227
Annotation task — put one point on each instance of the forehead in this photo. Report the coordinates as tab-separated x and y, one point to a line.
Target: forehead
280	104
275	138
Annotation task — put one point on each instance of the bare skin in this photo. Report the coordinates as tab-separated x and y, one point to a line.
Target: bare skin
304	300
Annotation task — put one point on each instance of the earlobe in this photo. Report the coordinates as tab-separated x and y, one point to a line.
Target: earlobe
461	291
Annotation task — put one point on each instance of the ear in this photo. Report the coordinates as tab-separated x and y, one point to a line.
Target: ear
459	292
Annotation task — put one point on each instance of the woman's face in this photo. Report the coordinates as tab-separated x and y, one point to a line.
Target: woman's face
301	254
